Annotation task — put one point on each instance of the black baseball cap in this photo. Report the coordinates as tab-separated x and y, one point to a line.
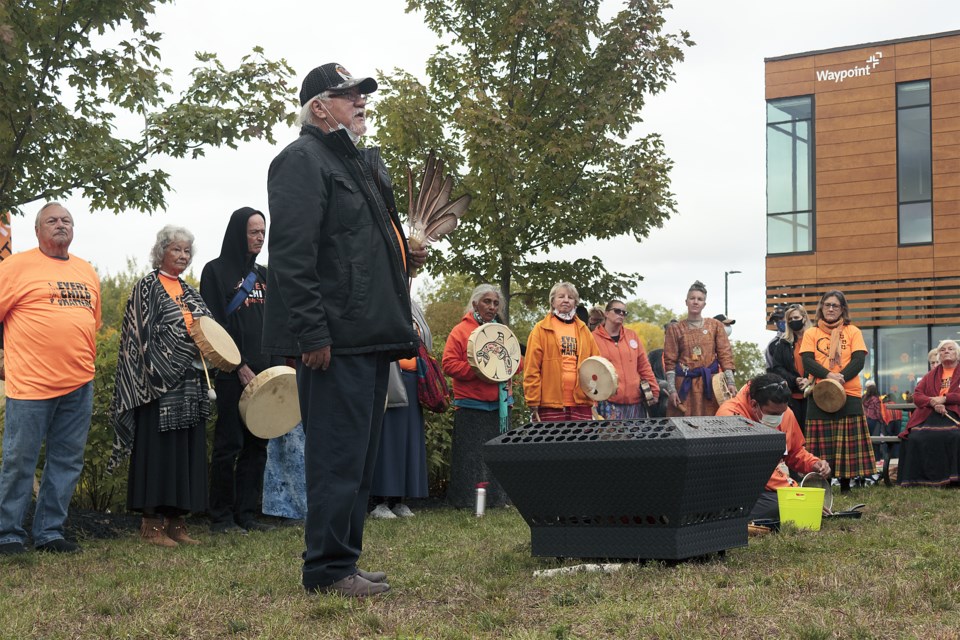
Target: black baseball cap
332	77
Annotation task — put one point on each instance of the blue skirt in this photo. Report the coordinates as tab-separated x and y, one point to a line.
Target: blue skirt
284	480
401	469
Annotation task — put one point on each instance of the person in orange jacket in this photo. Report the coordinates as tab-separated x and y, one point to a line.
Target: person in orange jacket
477	416
765	399
624	349
556	348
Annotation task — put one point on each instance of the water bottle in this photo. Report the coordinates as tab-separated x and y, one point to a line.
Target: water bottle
481	498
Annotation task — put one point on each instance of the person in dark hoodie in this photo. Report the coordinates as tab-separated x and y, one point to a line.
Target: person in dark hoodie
233	286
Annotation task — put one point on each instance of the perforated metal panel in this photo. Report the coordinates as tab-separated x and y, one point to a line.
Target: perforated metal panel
670	488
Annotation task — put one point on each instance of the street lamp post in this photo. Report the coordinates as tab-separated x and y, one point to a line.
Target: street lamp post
726	281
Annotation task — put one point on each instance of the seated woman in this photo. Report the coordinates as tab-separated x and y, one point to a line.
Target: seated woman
931	441
556	348
160	402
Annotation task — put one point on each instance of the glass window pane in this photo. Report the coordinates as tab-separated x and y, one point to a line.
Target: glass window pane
914	163
797	108
789	184
789	233
911	94
916	223
901	358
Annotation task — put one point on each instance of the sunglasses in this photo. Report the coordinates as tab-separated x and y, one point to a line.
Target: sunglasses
619	312
782	384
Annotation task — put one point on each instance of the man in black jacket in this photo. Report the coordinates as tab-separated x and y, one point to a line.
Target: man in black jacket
233	287
337	299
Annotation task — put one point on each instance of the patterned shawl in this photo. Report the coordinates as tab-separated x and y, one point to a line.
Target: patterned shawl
156	350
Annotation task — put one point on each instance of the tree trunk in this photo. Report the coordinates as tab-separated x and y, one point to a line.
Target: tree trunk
505	275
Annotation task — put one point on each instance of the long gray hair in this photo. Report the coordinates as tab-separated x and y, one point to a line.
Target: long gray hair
478	292
166	236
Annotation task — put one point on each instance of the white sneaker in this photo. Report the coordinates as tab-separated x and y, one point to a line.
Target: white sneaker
382	512
402	510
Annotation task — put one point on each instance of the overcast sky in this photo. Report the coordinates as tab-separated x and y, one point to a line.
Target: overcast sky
711	118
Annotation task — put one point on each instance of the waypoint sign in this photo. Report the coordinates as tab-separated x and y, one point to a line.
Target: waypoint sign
853	72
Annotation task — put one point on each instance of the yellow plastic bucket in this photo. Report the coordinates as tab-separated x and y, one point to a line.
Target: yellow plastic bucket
803	506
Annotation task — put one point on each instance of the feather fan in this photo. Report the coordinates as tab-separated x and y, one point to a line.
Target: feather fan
432	214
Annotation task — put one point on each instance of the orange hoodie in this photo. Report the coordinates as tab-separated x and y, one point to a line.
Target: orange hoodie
543	365
797	458
629	358
466	384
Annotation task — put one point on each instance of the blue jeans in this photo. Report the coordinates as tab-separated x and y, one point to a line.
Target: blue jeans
64	423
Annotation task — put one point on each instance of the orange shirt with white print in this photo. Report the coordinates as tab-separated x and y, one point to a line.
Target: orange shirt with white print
566	335
50	310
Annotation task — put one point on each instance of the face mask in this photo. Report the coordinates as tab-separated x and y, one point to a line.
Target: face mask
795	325
771	420
354	138
728	330
781	326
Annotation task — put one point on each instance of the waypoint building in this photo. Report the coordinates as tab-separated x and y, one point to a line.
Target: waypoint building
863	192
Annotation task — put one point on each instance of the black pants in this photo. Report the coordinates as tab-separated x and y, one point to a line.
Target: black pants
237	462
342	412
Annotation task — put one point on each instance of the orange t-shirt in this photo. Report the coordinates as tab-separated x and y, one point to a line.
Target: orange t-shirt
798	364
817	341
50	310
567	340
945	380
175	290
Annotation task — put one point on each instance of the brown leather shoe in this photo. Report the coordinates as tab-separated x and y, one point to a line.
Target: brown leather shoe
152	531
354	587
176	530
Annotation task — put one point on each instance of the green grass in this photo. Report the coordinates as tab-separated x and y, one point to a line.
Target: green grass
895	573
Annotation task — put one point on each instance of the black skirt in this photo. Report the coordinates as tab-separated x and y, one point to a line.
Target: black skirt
471	429
930	456
168	470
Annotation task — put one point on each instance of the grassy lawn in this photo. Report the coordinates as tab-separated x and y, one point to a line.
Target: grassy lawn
895	573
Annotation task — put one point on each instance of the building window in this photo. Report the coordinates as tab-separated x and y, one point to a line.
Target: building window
914	163
790	198
901	358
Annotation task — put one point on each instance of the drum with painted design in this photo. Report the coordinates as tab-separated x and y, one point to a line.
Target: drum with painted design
493	352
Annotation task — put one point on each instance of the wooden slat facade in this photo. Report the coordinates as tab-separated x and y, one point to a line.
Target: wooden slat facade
856	248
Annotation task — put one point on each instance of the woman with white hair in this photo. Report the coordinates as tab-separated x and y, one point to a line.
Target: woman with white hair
556	348
930	455
160	402
477	415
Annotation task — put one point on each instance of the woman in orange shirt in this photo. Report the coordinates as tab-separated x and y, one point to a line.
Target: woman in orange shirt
556	347
624	349
160	403
834	348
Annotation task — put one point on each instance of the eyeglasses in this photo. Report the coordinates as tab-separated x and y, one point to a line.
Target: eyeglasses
619	312
832	305
782	384
352	96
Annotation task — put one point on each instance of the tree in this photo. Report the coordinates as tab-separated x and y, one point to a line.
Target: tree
63	88
531	103
748	361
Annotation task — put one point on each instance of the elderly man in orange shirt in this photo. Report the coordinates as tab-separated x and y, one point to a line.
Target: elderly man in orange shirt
765	400
50	310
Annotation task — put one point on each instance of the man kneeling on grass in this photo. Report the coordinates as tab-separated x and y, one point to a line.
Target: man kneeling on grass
765	400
